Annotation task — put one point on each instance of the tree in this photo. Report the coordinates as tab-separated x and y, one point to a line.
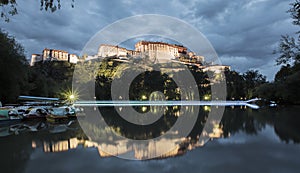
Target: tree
13	69
12	9
286	86
9	7
235	84
282	74
50	78
268	91
253	79
295	12
289	51
289	47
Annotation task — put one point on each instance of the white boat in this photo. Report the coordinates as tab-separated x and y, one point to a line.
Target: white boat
9	115
273	104
35	112
61	113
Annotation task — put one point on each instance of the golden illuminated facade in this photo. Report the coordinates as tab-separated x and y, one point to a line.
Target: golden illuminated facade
59	55
154	49
158	52
170	147
106	50
35	58
54	55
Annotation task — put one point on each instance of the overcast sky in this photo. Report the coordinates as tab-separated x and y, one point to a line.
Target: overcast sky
244	33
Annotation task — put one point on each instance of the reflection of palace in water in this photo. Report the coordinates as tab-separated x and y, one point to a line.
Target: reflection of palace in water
23	142
118	148
64	145
162	147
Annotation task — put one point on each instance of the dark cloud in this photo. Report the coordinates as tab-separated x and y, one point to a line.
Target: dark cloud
210	9
243	32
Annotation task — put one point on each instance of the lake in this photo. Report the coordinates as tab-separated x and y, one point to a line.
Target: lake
264	140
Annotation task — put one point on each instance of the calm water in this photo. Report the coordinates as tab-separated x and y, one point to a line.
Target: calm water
265	140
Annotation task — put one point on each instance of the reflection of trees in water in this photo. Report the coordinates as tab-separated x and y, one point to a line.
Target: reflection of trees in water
141	132
244	120
197	130
16	149
284	120
235	120
287	125
15	153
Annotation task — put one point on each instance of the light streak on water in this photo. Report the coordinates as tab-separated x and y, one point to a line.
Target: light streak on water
104	103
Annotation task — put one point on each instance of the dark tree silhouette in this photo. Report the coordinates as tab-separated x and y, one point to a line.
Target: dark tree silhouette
286	87
9	7
289	47
13	69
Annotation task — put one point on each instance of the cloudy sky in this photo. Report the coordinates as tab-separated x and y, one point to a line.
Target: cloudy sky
244	33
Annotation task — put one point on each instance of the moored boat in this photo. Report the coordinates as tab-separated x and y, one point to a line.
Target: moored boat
35	113
8	115
61	114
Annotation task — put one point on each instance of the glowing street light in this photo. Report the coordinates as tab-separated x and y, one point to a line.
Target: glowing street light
144	97
72	97
207	97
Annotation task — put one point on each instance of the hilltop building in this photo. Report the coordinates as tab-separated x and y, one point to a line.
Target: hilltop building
106	50
35	58
158	52
72	58
153	48
53	55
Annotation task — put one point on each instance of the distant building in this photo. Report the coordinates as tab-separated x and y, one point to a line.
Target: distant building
216	68
54	55
73	58
35	58
160	51
155	50
90	57
133	53
106	50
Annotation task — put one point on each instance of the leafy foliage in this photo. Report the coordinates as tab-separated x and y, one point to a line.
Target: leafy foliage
289	51
285	88
13	69
289	47
52	5
9	7
295	12
50	78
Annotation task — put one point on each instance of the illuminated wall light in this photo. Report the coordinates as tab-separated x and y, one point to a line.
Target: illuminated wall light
207	97
144	97
207	108
144	108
